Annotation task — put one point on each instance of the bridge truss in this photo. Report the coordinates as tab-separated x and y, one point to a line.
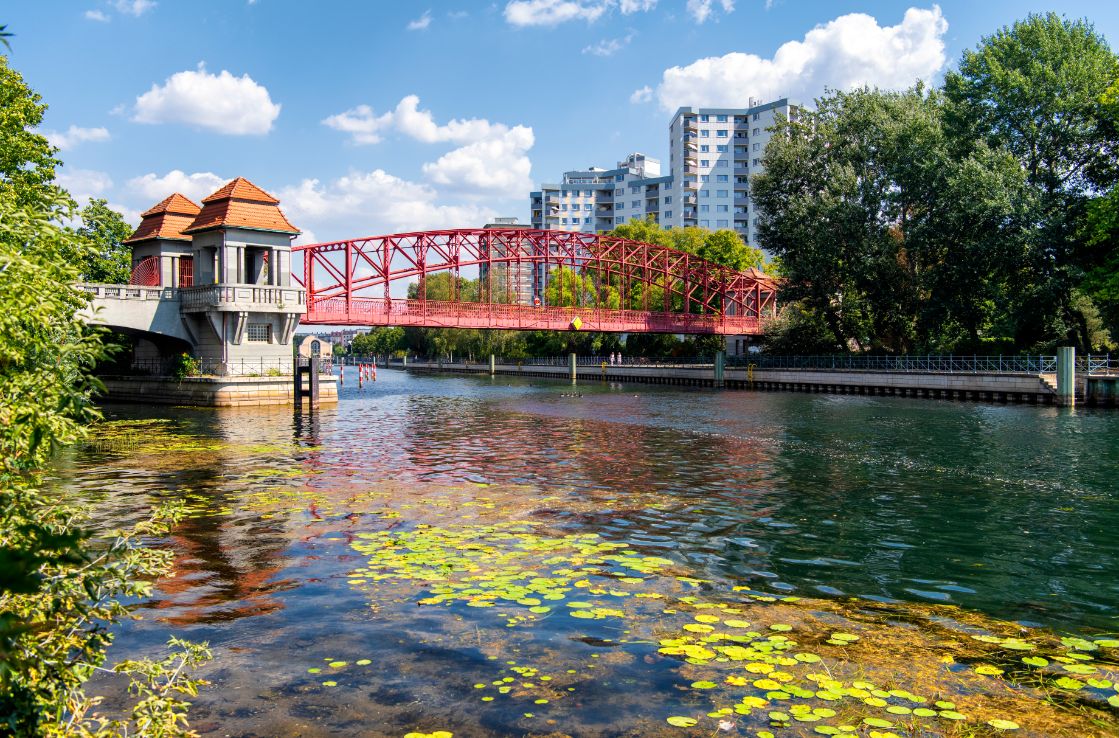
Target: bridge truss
616	285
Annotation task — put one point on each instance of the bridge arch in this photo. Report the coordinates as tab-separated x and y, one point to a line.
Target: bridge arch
350	282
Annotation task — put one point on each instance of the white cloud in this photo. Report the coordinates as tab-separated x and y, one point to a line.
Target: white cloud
366	127
84	184
216	102
420	23
363	126
643	95
609	47
154	188
96	15
496	166
370	203
701	10
133	7
75	135
554	12
850	51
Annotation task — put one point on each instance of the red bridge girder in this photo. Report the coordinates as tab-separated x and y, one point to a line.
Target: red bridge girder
349	282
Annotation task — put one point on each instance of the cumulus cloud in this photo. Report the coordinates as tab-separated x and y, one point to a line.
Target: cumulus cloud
420	23
361	123
643	95
366	127
84	184
96	15
75	135
554	12
496	166
216	102
850	51
369	203
133	7
492	158
197	185
701	10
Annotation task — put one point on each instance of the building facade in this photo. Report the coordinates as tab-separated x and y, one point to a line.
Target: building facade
713	152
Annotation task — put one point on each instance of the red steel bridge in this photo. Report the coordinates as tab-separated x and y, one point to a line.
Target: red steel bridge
653	289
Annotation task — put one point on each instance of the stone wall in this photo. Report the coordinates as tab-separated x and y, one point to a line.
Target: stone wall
213	391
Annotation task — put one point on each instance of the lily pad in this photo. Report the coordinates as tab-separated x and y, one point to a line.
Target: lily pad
680	721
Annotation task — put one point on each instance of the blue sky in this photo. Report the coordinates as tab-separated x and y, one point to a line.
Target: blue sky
375	117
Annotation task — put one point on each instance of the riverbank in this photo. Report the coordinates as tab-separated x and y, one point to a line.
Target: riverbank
980	387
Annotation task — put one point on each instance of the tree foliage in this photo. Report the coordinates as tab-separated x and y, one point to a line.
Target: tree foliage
61	588
963	219
109	260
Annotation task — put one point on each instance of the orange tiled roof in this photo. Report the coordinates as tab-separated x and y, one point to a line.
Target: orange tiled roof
241	204
167	219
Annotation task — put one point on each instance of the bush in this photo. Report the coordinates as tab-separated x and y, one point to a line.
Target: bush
186	366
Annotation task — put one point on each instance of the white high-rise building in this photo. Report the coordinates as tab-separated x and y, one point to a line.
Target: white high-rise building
713	152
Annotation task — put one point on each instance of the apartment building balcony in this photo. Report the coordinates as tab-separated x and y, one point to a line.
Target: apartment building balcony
741	200
741	170
690	124
691	169
691	185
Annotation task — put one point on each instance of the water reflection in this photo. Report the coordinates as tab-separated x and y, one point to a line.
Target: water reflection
1003	510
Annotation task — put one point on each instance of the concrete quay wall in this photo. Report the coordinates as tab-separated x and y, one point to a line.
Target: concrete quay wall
1024	388
213	391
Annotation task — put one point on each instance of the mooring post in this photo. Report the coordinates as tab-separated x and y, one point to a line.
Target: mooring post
493	365
571	367
1066	376
720	365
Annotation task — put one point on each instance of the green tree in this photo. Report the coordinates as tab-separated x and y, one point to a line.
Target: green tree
1038	89
27	161
110	259
378	342
890	233
61	590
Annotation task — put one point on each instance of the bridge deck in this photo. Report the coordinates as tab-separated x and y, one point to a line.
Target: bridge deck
438	314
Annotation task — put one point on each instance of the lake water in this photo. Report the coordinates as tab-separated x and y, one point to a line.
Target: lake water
493	556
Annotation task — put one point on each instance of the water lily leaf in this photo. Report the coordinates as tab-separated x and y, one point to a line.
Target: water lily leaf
1113	700
988	670
703	685
581	614
363	662
780	627
952	715
1001	724
924	712
877	722
1035	661
1069	683
680	721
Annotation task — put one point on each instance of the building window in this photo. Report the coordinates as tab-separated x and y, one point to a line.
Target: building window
757	131
668	213
705	133
704	118
259	332
721	133
757	162
720	224
704	208
756	116
563	221
705	224
722	208
705	162
721	193
705	178
722	177
722	163
563	207
589	193
586	220
635	203
620	206
721	148
757	146
720	119
668	200
704	148
704	194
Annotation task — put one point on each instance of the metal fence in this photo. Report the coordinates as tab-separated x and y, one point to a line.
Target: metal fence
215	368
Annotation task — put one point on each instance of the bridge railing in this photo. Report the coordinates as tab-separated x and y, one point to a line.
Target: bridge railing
907	363
930	364
215	295
127	292
165	368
